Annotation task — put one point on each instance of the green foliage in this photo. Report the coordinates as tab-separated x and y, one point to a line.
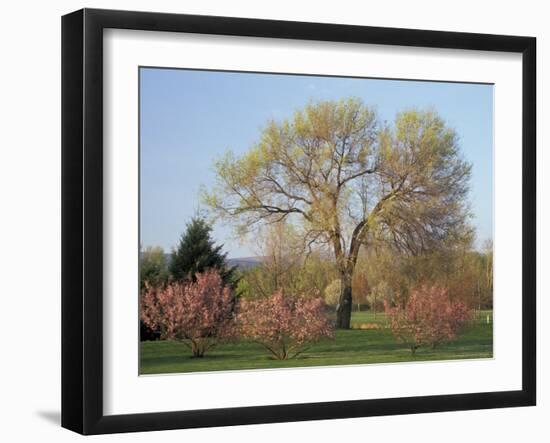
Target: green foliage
380	293
464	271
196	252
152	267
286	265
332	292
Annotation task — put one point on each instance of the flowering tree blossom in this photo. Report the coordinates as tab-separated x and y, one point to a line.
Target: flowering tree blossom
429	317
198	314
284	324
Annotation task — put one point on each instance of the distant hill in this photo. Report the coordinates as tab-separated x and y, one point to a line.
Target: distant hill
240	262
245	262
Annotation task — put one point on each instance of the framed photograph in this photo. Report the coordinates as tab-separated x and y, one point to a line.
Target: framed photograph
268	221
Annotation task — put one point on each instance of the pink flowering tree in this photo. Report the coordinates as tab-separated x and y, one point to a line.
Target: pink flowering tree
198	314
429	317
284	325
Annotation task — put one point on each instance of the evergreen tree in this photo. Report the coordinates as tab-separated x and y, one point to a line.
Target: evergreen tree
196	252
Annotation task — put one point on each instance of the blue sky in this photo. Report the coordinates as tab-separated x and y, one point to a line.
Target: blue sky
188	118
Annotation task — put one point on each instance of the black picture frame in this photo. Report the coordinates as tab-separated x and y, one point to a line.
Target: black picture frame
82	218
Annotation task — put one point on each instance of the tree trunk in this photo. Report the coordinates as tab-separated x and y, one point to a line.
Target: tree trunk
197	349
343	313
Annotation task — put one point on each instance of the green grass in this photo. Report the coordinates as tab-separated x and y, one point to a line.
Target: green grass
355	346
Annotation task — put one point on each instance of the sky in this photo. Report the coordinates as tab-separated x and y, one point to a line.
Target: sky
189	118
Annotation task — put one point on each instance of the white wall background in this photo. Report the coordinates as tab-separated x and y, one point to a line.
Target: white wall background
30	219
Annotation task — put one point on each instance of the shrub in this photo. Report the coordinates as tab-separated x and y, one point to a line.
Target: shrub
332	292
152	267
199	314
284	325
428	317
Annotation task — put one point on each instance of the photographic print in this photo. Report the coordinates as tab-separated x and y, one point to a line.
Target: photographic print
312	206
303	221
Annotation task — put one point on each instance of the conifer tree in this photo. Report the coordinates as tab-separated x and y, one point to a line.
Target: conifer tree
196	252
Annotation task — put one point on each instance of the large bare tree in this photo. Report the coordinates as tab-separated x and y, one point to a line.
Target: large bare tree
348	180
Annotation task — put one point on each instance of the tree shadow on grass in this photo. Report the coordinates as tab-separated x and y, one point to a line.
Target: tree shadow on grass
190	360
174	359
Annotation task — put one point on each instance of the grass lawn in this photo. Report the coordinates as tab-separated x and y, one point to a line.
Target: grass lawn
355	346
